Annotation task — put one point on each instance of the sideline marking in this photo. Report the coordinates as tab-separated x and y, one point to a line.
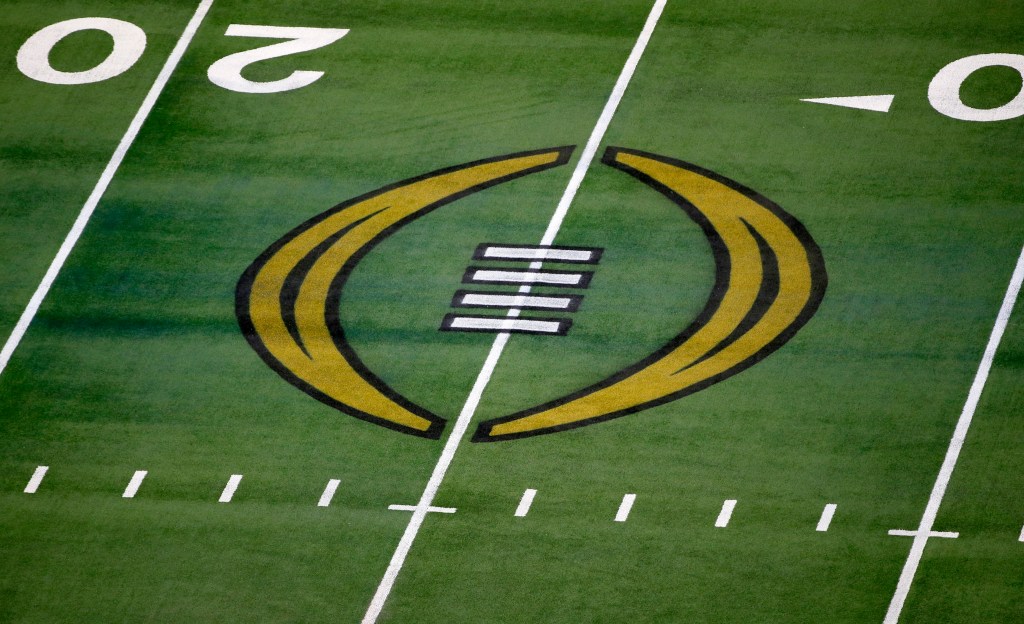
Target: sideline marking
826	517
527	500
325	498
37	478
101	186
498	346
877	103
725	514
229	489
625	507
956	443
447	510
134	484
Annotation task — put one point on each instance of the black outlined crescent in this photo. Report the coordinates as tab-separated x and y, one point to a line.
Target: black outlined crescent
770	279
286	302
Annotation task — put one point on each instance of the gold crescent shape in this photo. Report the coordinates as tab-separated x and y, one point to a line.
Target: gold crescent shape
287	300
770	280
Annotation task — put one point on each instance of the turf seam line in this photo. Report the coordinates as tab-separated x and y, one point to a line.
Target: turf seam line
498	346
101	185
956	443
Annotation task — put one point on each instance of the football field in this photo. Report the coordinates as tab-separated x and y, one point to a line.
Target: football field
452	311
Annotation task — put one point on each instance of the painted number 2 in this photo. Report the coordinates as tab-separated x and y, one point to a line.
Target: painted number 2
130	41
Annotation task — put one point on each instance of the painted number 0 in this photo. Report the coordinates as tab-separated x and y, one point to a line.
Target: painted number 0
944	90
130	41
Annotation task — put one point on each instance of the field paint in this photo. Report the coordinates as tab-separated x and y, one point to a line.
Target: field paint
37	478
530	326
34	55
1021	538
413	508
515	301
944	89
229	489
877	103
525	502
527	277
826	517
227	72
624	507
325	498
498	346
924	531
905	533
537	253
725	514
101	186
134	484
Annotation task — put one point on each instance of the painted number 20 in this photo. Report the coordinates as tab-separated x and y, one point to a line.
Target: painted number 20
130	41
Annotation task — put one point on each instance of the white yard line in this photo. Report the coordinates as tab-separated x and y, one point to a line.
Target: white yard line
624	507
134	484
101	186
229	489
328	495
36	480
525	502
924	531
726	514
826	517
498	346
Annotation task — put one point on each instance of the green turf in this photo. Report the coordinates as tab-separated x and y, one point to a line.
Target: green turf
135	360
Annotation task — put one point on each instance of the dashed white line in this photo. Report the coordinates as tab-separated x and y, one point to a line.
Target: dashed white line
725	514
624	507
134	484
525	502
956	443
325	498
447	510
498	346
37	478
905	533
826	517
229	489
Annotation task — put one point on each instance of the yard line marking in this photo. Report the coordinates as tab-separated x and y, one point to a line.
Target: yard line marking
101	186
413	508
624	507
905	533
229	489
826	517
725	514
498	346
37	478
525	502
134	484
325	498
956	443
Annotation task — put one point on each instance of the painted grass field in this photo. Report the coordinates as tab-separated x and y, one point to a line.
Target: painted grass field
143	181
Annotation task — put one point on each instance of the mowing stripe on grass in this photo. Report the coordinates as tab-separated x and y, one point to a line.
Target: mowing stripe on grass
525	502
498	346
101	186
134	484
37	478
826	517
924	530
